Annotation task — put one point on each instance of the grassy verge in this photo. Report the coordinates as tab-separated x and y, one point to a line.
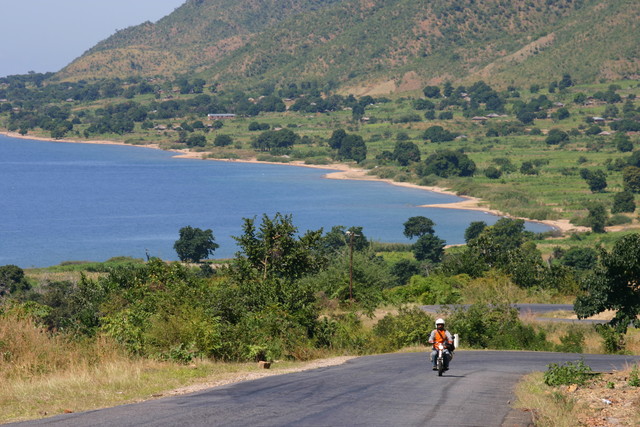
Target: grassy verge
122	381
609	399
45	375
119	382
549	407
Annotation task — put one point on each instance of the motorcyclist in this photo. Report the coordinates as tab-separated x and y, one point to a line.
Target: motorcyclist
440	335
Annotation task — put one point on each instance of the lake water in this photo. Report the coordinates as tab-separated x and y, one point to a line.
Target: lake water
63	202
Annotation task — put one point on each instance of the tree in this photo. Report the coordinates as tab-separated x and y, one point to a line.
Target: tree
418	226
431	92
338	238
403	270
614	285
527	168
429	248
565	82
631	178
623	201
492	172
273	253
556	136
473	230
195	244
438	134
580	258
634	159
561	114
597	217
447	163
623	142
357	111
353	147
406	152
12	279
197	140
494	243
222	140
597	180
275	139
525	116
335	141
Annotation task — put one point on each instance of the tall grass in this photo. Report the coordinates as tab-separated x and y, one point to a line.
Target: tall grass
551	408
44	374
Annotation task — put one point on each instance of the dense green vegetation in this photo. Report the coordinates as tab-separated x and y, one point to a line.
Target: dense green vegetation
295	296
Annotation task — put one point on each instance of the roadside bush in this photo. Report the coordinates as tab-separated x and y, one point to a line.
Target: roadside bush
270	334
634	380
343	332
568	373
612	341
433	289
411	326
571	342
495	326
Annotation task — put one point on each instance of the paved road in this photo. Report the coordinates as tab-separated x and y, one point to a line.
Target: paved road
384	390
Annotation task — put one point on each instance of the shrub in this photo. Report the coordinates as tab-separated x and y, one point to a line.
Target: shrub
623	201
343	332
411	326
556	136
634	381
619	219
434	289
571	342
612	340
495	326
492	172
567	373
580	258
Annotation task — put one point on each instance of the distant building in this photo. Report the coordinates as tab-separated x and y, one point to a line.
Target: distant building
216	116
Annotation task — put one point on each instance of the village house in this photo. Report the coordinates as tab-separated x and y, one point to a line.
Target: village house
220	116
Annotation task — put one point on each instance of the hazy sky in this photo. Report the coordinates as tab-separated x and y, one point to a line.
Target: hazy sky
46	35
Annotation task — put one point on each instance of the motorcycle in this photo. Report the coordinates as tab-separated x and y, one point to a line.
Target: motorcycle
440	357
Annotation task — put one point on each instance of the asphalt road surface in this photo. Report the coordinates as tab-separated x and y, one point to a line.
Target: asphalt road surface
383	390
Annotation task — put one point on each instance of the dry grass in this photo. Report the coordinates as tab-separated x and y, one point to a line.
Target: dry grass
45	276
44	374
608	400
549	409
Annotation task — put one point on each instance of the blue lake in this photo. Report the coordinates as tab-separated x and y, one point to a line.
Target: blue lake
84	202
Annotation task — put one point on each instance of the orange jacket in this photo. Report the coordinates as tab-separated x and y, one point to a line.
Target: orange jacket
438	336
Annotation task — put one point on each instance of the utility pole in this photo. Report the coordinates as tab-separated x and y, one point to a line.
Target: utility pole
351	235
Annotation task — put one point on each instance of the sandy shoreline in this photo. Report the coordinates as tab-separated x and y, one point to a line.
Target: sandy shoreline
342	171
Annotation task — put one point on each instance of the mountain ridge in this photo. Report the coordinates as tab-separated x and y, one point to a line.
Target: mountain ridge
370	43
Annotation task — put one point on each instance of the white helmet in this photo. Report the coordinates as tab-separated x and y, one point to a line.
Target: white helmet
439	322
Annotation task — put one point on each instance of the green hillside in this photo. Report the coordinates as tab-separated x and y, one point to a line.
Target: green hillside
376	46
